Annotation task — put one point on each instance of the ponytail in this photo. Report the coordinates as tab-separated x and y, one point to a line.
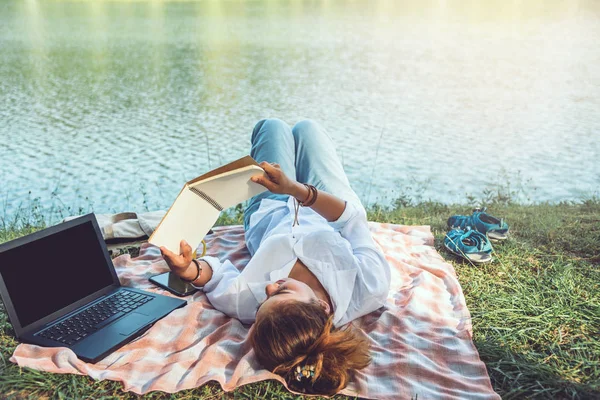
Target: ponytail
299	342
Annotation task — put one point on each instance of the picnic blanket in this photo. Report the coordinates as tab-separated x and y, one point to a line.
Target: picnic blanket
421	340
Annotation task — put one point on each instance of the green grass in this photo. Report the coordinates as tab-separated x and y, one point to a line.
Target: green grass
535	309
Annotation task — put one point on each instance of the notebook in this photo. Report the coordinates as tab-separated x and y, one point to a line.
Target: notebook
198	205
60	289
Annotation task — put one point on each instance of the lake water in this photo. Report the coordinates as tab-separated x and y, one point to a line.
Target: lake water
113	105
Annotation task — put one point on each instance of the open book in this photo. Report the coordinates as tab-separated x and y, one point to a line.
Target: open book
198	205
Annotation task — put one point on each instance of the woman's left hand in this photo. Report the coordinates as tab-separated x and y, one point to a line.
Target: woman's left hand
274	179
180	263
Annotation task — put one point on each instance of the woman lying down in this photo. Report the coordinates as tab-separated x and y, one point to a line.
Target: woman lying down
314	265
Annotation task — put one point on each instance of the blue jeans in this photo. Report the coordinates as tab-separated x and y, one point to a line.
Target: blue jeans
305	153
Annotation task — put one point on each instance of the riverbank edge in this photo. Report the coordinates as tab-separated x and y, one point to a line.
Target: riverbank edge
535	309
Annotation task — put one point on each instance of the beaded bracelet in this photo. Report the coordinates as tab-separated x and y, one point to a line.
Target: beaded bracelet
197	275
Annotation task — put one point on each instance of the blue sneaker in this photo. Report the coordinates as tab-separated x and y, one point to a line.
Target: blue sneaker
494	228
469	244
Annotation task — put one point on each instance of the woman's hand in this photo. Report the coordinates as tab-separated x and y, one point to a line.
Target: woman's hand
276	181
180	263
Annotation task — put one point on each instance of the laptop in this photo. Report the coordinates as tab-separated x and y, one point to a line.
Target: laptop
60	289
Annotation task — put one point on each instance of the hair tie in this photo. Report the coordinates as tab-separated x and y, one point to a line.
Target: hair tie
307	371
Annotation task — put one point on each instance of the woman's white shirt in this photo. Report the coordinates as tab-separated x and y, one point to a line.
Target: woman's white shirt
341	254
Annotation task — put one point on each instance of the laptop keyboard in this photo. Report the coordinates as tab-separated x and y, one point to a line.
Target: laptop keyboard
78	326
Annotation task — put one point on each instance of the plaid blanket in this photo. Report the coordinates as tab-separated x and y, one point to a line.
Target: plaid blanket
421	340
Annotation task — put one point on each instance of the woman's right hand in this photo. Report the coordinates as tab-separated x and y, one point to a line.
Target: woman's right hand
180	263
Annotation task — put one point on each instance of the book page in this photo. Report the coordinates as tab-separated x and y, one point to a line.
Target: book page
189	218
237	164
233	187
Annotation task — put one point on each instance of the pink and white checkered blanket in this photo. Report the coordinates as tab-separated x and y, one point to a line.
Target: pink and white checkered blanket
421	341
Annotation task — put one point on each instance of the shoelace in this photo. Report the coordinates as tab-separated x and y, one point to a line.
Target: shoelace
479	244
468	234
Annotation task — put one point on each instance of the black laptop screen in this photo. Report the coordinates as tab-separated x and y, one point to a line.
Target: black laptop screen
53	272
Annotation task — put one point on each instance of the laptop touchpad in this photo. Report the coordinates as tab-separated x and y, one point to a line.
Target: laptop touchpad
131	323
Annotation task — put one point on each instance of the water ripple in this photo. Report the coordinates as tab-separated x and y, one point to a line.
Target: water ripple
115	105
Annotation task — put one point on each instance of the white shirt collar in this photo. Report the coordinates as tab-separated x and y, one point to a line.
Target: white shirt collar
338	285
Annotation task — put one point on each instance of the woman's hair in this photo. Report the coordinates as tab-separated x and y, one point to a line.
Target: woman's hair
298	334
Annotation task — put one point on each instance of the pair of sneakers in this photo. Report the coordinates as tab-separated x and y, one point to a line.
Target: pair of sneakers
469	236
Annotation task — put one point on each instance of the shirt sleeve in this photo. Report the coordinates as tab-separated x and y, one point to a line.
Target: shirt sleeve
353	227
229	292
373	275
349	211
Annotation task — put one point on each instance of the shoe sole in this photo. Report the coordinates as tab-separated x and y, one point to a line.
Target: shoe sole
466	256
498	237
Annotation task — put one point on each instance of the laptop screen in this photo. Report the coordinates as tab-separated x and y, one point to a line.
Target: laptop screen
53	272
